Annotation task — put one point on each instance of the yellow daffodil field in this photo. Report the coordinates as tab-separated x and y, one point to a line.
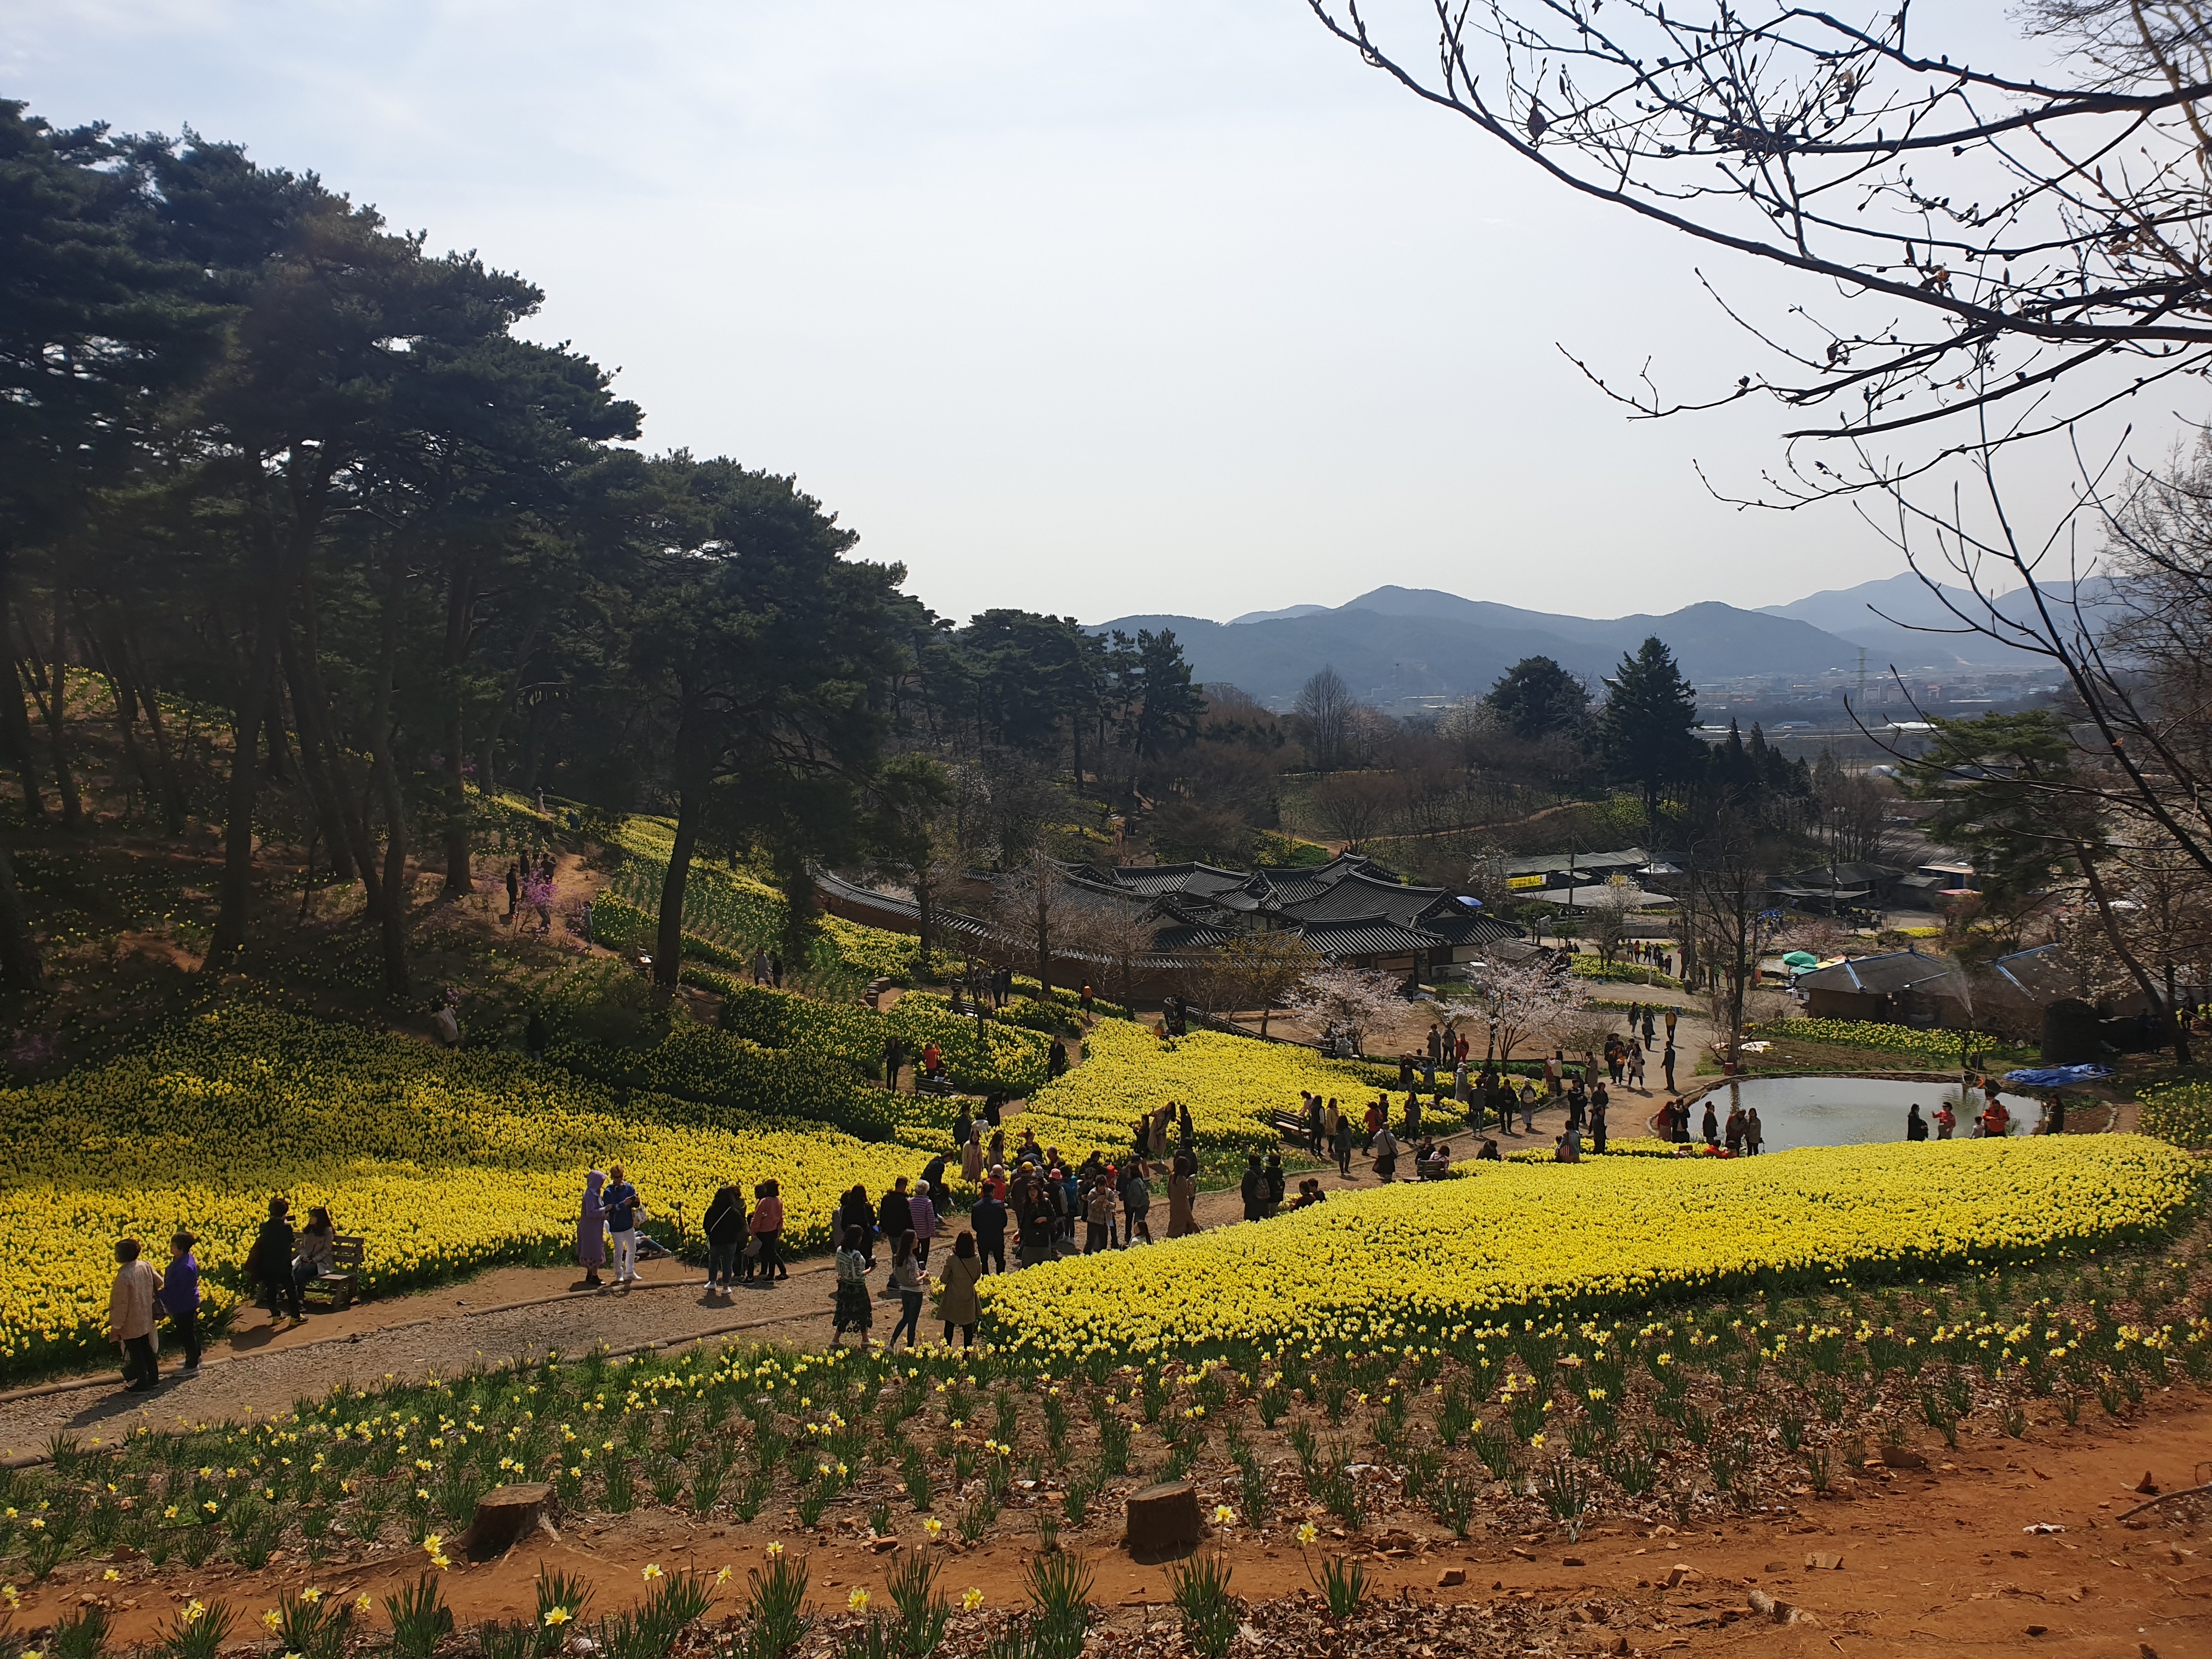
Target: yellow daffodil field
440	1161
1231	1085
1513	1239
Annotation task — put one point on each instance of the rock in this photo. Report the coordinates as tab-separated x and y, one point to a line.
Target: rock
1899	1457
1572	1561
506	1515
1618	1644
2144	1650
1769	1606
1824	1561
2037	1630
1675	1575
1163	1520
1450	1578
1776	1567
2147	1486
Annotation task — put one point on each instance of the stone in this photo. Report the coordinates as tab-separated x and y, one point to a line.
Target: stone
2147	1486
2037	1630
1164	1521
1772	1607
1900	1457
1824	1561
1450	1578
1572	1561
506	1514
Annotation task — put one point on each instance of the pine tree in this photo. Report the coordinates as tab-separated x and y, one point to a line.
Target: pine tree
1645	731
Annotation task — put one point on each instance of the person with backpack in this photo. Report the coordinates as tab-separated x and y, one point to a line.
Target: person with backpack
894	1219
989	1220
726	1227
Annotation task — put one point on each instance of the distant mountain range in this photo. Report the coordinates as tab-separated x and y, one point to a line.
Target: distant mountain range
1406	641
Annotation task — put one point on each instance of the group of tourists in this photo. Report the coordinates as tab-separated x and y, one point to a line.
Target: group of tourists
1742	1135
282	1264
1993	1122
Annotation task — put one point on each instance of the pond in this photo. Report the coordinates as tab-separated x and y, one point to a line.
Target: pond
1846	1111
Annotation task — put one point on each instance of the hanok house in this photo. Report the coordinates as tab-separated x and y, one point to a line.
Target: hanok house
1902	988
1351	910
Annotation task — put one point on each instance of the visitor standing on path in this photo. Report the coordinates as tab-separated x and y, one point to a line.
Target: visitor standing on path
272	1262
767	1226
1754	1131
623	1208
724	1226
923	1208
1386	1155
1915	1127
913	1284
1340	1143
1136	1204
592	1228
1255	1188
853	1310
1183	1190
131	1315
1667	1066
971	1157
180	1297
957	1303
989	1220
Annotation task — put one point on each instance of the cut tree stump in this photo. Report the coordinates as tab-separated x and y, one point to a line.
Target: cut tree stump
506	1515
1164	1521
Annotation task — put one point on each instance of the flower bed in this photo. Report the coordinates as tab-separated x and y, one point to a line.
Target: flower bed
441	1161
1615	1233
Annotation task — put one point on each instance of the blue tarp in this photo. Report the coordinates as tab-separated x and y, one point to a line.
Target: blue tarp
2058	1077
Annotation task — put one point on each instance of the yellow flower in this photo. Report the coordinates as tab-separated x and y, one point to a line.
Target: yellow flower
857	1602
1307	1532
311	1594
1222	1515
272	1618
970	1600
933	1526
653	1571
775	1549
362	1603
110	1577
723	1577
556	1617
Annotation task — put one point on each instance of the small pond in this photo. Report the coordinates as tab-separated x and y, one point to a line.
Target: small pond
1846	1111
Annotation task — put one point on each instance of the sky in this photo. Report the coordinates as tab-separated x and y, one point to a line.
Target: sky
1096	307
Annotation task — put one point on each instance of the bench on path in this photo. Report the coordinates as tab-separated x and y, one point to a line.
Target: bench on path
342	1283
1291	1128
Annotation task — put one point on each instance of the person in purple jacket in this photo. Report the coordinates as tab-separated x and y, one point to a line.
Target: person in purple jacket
180	1297
923	1208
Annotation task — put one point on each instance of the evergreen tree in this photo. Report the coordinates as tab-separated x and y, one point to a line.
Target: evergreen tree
1536	697
1646	731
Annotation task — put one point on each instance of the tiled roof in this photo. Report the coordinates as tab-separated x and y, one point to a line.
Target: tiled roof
1362	895
1877	975
1366	936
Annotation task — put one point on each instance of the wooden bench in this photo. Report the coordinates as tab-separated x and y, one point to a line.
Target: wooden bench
342	1283
1291	1128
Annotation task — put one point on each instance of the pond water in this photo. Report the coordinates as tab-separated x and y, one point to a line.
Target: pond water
1846	1111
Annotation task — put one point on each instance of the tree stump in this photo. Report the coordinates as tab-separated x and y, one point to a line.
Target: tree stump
506	1515
1164	1521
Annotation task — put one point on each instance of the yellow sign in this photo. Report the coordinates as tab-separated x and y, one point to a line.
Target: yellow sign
1517	882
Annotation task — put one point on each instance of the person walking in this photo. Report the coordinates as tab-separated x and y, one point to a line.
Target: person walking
923	1208
767	1226
1098	1220
623	1208
1033	1221
513	889
1667	1066
1597	1126
1386	1155
1373	1121
131	1303
1713	1124
895	1058
1636	1066
1255	1188
1182	1189
180	1297
853	1310
1916	1126
592	1228
957	1302
989	1220
1672	1014
971	1157
913	1284
272	1262
1136	1203
1340	1143
895	1219
726	1227
1528	1108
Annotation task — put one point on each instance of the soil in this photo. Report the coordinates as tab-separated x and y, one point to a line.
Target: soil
2004	1546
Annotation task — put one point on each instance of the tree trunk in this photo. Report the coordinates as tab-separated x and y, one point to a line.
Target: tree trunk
927	913
15	721
397	894
127	661
461	603
21	971
668	938
57	714
236	888
347	852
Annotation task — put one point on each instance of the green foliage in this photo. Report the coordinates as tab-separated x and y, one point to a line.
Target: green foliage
994	1057
607	1004
420	1618
2181	1113
1211	1614
714	1068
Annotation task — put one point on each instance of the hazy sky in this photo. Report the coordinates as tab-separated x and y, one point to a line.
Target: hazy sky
1095	306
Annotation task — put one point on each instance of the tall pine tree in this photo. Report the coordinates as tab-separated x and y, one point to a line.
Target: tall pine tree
1646	730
